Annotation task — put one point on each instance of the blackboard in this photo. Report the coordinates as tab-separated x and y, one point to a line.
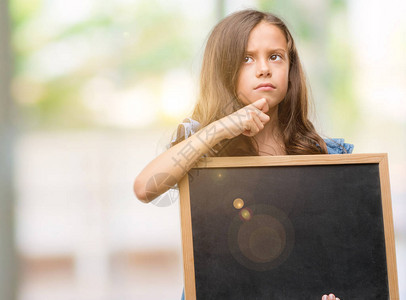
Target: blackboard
289	227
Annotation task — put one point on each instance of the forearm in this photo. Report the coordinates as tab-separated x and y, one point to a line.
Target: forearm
169	167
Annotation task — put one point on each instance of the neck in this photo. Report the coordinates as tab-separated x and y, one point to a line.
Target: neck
270	140
271	130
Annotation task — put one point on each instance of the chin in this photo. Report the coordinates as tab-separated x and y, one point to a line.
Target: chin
272	102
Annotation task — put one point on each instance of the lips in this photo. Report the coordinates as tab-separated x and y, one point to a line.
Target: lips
265	87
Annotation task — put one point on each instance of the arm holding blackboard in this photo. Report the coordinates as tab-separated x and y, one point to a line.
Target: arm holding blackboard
168	168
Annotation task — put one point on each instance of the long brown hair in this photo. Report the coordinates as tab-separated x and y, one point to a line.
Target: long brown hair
224	54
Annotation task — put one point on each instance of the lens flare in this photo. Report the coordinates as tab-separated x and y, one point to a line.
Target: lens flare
238	203
246	214
261	237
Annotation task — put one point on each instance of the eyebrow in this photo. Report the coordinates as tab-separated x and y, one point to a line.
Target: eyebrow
271	50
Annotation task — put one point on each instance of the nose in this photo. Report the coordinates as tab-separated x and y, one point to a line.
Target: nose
263	69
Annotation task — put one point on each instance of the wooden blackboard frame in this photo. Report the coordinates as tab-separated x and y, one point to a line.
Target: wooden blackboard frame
300	160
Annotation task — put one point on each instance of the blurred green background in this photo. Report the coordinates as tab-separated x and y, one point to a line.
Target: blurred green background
92	91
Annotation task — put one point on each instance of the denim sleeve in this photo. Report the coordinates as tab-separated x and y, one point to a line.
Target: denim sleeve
337	146
185	129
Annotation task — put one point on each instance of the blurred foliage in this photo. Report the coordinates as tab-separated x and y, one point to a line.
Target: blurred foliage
127	42
291	13
23	10
340	80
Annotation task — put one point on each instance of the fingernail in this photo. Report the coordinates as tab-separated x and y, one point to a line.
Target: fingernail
324	297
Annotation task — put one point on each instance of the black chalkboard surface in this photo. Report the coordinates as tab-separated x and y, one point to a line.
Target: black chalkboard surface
269	228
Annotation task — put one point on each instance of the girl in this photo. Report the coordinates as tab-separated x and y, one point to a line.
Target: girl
253	101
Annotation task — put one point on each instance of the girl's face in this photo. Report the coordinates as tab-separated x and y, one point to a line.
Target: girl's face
265	70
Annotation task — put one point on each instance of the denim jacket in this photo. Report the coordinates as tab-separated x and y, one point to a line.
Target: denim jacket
190	126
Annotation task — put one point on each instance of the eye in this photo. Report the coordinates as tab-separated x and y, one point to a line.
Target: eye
248	59
275	57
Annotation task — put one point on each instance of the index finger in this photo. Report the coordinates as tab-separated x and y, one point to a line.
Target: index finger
261	104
